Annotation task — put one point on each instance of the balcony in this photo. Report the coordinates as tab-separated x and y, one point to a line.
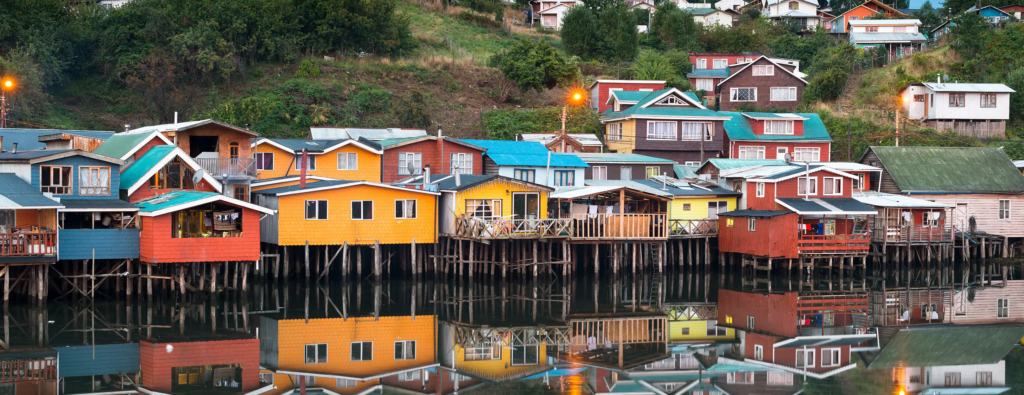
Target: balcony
28	244
620	226
692	228
221	168
849	244
918	234
28	370
505	228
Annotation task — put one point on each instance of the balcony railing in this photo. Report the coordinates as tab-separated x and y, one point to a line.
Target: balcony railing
692	227
28	370
505	228
833	244
232	168
919	234
620	226
28	244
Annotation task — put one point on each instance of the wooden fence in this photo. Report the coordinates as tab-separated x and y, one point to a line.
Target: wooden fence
26	244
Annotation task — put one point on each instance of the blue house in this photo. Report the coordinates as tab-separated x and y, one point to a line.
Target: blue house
80	367
991	13
530	161
86	186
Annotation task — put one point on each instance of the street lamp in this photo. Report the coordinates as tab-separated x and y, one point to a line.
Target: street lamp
7	85
574	98
904	101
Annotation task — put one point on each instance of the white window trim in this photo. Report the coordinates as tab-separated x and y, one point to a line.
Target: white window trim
1009	209
317	210
675	131
791	130
815	150
657	170
833	179
769	68
599	169
760	189
360	207
788	88
315	346
405	202
1007	308
810	191
716	62
811	359
360	351
732	94
752	224
310	157
702	64
346	161
835	362
758	352
708	136
405	157
265	160
403	349
759	149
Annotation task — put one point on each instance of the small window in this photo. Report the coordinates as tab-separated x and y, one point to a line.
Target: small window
743	94
310	162
805	358
728	222
702	63
565	178
362	210
752	224
653	171
345	383
527	175
720	63
784	94
728	320
952	379
55	179
233	150
266	378
919	98
858	183
1004	209
750	322
600	172
686	331
956	99
264	160
686	206
349	161
758	352
988	100
316	209
405	209
405	350
94	181
240	194
661	130
760	189
761	70
807	154
409	163
830	357
833	186
807	186
1002	308
872	29
899	29
316	353
794	5
984	379
461	163
483	208
362	351
625	173
751	152
614	132
778	127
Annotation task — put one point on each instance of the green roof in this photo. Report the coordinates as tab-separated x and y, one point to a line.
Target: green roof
950	169
685	171
738	127
141	166
639	110
630	95
966	345
389	142
729	164
172	199
120	144
702	11
594	157
708	73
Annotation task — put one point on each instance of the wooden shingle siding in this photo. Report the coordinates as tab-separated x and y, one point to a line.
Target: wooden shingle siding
430	150
888	185
489	166
983	309
77	162
984	208
746	79
98	360
108	243
156	362
157	245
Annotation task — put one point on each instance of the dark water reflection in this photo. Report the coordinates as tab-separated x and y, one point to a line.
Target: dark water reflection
688	332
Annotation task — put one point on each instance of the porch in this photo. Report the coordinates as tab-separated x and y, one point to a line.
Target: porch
831	226
914	225
914	306
28	243
692	228
478	228
222	168
617	342
612	213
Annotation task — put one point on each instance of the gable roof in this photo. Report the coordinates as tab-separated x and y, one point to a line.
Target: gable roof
152	161
278	180
124	145
960	345
316	147
966	87
733	163
28	139
182	126
877	3
676	188
627	96
975	8
586	139
751	63
683	172
644	108
387	144
738	127
48	155
525	153
594	157
446	182
15	193
180	200
949	169
330	133
331	184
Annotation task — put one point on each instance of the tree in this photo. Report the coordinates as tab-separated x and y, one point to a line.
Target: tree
652	65
1016	82
413	113
966	31
579	32
531	64
620	41
929	17
675	28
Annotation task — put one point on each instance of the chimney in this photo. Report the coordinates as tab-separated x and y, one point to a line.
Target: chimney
426	177
302	165
664	181
1	144
15	148
175	117
458	180
439	134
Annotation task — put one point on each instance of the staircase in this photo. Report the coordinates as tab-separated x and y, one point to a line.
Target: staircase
850	91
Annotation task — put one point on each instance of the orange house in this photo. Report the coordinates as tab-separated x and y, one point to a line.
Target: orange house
870	8
342	159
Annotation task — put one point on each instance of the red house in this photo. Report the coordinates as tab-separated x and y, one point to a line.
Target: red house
755	135
798	332
710	68
796	211
175	368
762	84
600	89
404	157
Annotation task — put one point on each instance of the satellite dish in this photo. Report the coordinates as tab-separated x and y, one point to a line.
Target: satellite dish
197	177
411	168
787	157
945	77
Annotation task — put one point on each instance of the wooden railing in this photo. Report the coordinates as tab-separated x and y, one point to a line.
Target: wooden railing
498	228
28	370
28	244
692	227
238	167
833	244
619	226
919	234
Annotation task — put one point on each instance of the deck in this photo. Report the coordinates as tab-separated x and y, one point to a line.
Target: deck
902	307
578	227
22	246
229	168
692	228
833	245
916	234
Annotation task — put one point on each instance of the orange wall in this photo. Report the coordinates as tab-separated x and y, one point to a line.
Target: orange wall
326	164
286	382
157	245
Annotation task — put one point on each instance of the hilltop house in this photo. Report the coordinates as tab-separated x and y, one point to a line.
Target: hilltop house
1013	9
867	10
897	37
802	13
530	161
600	91
408	156
764	83
551	12
624	166
979	110
711	68
991	13
666	124
754	135
715	17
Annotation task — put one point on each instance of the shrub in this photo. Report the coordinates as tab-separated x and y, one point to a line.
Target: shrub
308	69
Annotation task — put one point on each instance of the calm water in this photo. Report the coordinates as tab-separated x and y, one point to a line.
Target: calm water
653	334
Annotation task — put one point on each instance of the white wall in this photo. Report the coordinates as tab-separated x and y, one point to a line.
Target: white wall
716	18
886	29
22	170
783	7
541	174
968	374
916	110
971	109
729	4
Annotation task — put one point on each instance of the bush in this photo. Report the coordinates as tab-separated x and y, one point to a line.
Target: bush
482	20
369	101
412	113
506	124
308	69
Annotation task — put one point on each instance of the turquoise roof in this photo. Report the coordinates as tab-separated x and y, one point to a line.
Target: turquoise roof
701	11
524	153
738	127
729	164
172	199
389	142
685	171
120	144
141	166
708	73
639	111
592	157
630	95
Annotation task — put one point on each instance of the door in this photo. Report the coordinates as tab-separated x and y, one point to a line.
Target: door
780	153
962	216
717	207
525	205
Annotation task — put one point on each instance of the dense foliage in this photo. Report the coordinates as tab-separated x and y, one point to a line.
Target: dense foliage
532	65
603	29
506	124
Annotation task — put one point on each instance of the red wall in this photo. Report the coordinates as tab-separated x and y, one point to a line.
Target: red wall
761	203
758	126
604	87
157	245
431	150
773	313
145	148
774	237
731	57
771	147
156	363
787	357
790	189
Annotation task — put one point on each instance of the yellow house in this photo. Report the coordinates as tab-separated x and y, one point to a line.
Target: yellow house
356	212
697	323
343	159
497	362
693	202
345	356
268	183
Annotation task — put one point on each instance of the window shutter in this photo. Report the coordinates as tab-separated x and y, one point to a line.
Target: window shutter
321	212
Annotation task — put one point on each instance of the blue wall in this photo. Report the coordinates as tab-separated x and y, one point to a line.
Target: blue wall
77	161
78	361
109	243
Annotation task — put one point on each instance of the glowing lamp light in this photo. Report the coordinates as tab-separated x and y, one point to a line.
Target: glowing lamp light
170	348
906	99
8	84
902	392
576	96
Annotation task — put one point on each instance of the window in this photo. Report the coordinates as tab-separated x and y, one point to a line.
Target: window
316	353
752	224
691	163
956	99
764	70
686	207
362	351
858	183
807	154
525	175
233	150
784	94
780	153
362	210
211	220
345	383
462	163
830	357
174	175
310	162
240	193
565	178
779	378
614	132
983	379
316	209
705	84
899	29
988	100
728	320
919	98
483	208
728	222
525	355
661	130
405	209
1004	209
794	5
600	172
264	160
927	309
686	331
349	161
702	63
743	94
483	353
93	181
408	163
952	379
802	187
750	322
715	330
751	152
833	185
410	375
720	63
872	29
758	352
55	179
405	350
695	131
778	127
1002	308
930	218
653	171
805	358
760	189
625	173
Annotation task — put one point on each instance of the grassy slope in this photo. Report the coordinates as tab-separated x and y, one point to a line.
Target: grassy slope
452	77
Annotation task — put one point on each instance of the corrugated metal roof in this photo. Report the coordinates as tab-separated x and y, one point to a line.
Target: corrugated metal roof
26	156
947	346
594	157
968	87
524	153
764	171
638	109
175	127
101	359
1019	163
729	164
587	140
738	127
888	200
15	193
173	199
371	134
774	115
847	166
629	95
754	213
686	189
826	206
793	14
683	171
632	184
881	38
309	185
950	169
708	73
297	145
389	142
141	166
883	22
28	139
121	144
578	192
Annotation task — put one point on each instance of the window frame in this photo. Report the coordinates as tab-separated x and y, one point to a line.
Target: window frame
614	132
702	63
705	82
460	158
833	351
734	96
758	154
716	62
766	70
327	210
759	352
814	151
404	203
491	203
752	224
71	180
988	100
88	170
835	192
362	210
404	157
361	354
516	173
656	169
808	191
355	160
405	357
789	89
256	156
602	170
707	131
1002	304
750	322
811	359
957	103
759	188
316	350
674	131
561	176
1005	214
310	158
791	130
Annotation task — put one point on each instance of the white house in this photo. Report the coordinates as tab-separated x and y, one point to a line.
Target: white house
899	37
552	12
684	4
714	16
799	12
730	5
979	110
